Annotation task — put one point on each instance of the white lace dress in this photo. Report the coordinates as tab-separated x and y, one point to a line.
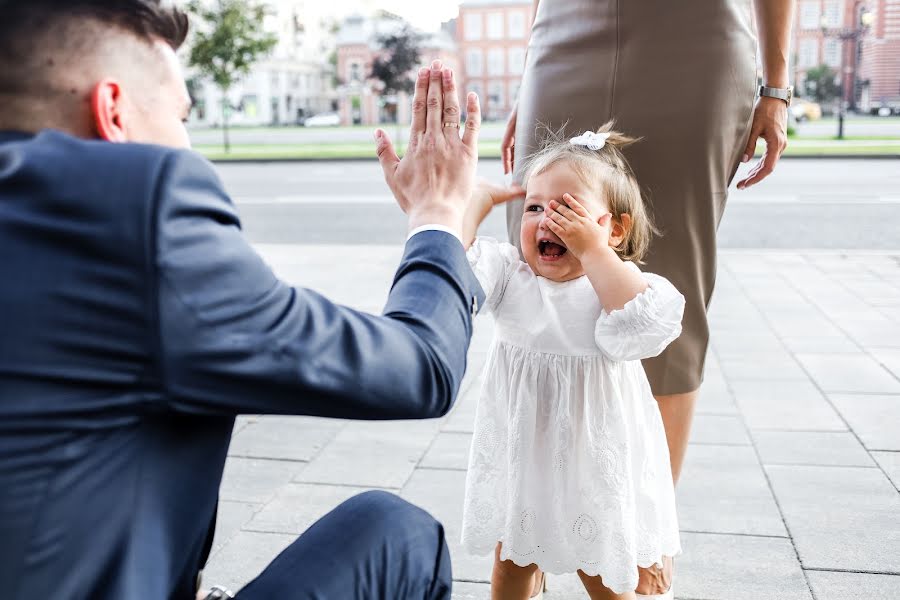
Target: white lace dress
569	466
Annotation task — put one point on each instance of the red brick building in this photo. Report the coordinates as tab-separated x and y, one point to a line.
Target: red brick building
880	61
874	60
491	37
359	98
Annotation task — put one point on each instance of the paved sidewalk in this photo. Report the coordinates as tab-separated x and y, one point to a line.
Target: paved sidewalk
790	490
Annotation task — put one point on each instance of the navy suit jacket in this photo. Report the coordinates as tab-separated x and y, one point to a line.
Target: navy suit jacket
135	323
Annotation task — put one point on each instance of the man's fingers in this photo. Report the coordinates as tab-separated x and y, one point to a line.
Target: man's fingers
473	121
434	105
506	194
418	106
451	104
387	156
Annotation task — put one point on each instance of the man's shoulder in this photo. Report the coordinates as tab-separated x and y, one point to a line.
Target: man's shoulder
103	154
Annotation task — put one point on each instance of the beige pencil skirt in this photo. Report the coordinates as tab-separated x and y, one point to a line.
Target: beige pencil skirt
681	75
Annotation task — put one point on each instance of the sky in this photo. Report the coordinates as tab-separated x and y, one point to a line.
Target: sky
424	14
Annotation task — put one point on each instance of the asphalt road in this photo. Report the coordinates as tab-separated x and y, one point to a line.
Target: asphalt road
806	204
866	126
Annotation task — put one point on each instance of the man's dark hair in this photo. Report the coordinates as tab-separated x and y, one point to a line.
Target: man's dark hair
26	24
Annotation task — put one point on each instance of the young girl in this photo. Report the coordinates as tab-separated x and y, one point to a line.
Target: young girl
569	468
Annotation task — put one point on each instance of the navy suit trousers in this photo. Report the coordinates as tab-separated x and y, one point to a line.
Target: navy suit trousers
374	546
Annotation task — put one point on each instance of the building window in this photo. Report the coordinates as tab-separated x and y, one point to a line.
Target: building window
355	72
832	52
476	87
474	62
472	26
516	60
809	14
808	53
495	26
496	96
495	61
514	90
516	25
833	13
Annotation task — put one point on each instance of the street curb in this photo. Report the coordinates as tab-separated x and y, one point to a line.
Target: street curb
238	161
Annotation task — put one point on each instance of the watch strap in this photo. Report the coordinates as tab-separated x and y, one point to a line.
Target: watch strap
784	94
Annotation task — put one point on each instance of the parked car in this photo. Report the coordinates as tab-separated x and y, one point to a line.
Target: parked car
805	110
323	120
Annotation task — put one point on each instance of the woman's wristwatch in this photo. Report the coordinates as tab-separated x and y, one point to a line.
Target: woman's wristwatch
781	93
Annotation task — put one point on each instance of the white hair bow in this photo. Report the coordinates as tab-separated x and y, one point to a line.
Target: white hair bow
591	139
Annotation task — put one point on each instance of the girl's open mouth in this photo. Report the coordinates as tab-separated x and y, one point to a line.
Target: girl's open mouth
551	250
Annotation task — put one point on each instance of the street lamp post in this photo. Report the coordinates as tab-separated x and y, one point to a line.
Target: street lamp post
861	27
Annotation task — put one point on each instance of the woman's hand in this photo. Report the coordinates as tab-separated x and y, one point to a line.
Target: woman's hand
508	145
578	230
485	197
769	123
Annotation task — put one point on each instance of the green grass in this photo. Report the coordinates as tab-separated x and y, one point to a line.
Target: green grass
491	149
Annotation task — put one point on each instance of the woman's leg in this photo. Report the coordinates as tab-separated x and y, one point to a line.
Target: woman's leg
509	581
597	591
677	412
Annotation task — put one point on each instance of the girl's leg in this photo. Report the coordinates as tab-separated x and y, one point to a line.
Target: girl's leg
509	581
597	591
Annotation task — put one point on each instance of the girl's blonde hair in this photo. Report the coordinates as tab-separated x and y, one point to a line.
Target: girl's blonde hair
605	170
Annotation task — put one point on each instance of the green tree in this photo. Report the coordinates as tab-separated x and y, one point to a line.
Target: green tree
229	40
821	84
395	65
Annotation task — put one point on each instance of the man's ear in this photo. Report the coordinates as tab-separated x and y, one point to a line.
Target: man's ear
106	111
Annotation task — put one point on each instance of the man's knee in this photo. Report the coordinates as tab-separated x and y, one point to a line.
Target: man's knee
393	517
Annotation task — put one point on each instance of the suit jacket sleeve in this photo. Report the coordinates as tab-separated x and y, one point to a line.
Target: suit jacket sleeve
234	339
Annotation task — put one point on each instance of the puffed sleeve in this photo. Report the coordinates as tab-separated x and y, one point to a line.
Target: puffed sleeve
492	262
645	325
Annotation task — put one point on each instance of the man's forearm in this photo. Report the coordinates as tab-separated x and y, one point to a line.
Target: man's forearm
774	19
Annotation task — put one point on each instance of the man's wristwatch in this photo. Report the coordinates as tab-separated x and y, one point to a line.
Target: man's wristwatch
219	593
781	93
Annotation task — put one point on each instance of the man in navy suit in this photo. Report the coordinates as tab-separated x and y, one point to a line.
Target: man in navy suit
136	322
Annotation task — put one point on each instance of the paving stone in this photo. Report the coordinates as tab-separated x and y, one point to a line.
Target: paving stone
874	418
849	373
297	506
462	417
243	558
807	322
831	344
811	448
286	438
889	358
229	520
450	450
372	454
830	585
763	366
256	480
441	494
736	345
840	517
738	567
715	397
872	330
785	405
723	489
467	590
718	429
890	462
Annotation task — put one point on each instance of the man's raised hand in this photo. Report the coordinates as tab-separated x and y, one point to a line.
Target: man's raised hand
433	182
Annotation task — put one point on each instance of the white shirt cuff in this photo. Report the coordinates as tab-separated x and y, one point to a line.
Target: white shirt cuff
433	228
